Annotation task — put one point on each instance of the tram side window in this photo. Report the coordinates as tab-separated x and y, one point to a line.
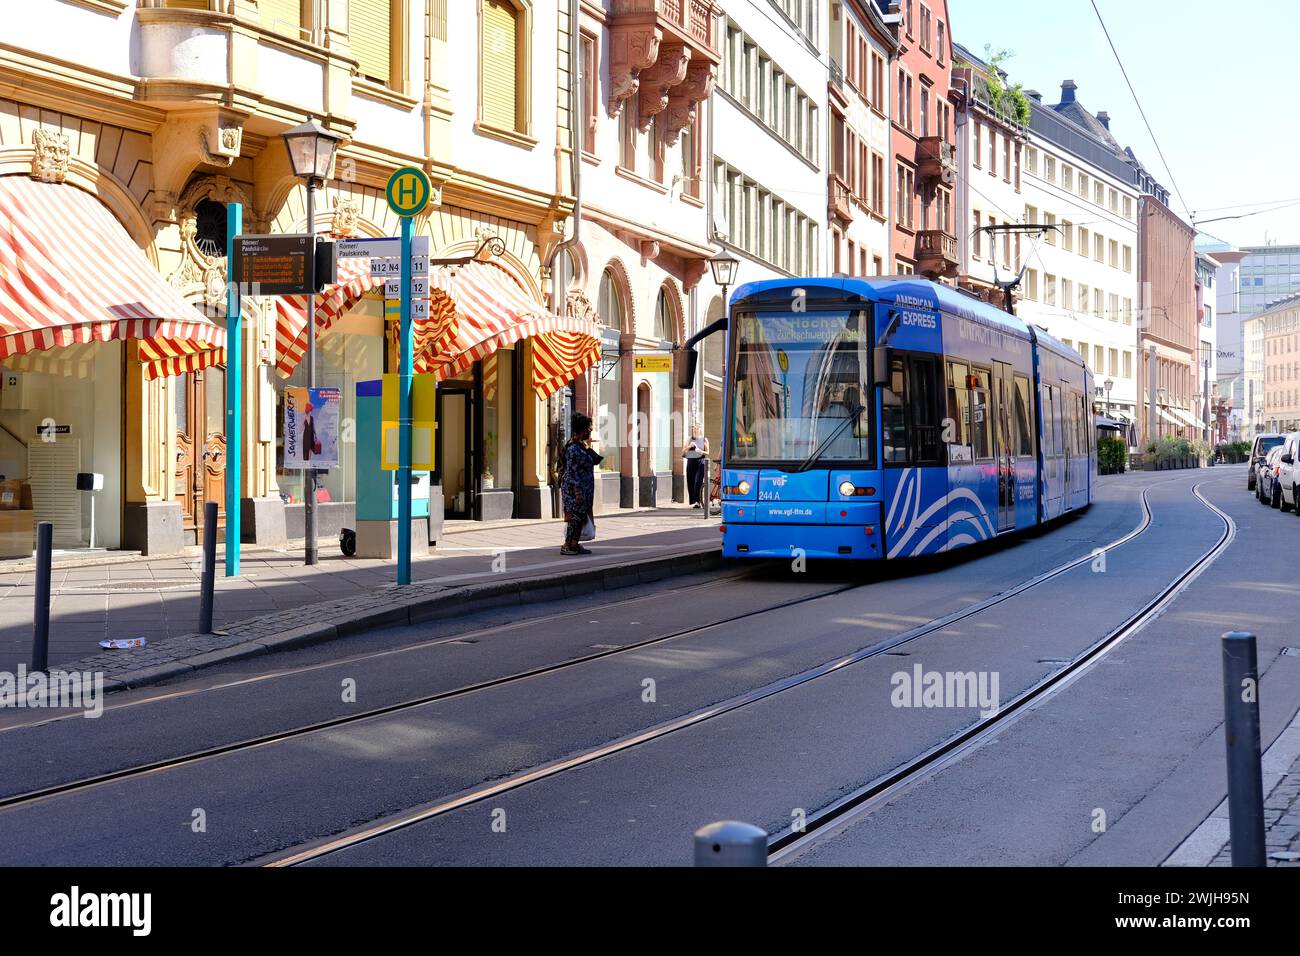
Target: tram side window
981	415
895	413
913	412
1024	429
957	426
925	402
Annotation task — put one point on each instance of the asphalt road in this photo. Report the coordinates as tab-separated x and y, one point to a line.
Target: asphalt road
1132	737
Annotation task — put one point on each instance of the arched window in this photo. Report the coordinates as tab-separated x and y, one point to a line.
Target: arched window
610	303
503	67
664	323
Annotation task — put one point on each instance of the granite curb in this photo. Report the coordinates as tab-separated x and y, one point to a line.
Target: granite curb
388	606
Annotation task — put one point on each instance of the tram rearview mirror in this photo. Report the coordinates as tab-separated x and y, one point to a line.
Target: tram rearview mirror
880	366
687	359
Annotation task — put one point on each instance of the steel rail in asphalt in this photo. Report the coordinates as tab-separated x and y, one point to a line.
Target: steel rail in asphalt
318	848
461	636
838	816
171	763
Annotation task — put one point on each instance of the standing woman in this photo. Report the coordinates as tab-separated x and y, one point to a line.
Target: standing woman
578	484
696	454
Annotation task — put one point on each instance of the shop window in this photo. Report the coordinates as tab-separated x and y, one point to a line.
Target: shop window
498	442
350	351
610	415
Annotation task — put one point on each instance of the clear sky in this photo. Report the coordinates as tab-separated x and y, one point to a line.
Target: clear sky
1215	79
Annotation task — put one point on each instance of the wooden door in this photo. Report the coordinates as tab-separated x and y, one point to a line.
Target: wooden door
200	445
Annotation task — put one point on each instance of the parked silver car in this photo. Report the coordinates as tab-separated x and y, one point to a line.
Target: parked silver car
1268	489
1260	447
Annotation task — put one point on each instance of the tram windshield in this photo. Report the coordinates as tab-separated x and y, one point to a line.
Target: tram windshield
795	378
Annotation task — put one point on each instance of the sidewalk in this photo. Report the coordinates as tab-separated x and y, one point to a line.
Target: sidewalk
1208	844
157	598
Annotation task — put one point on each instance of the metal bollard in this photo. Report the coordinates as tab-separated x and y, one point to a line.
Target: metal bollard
41	615
1241	731
730	843
209	566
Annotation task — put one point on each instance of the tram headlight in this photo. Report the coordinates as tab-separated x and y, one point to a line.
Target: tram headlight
743	487
847	489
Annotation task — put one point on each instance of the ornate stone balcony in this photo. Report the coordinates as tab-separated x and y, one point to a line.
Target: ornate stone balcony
667	50
841	203
936	253
936	160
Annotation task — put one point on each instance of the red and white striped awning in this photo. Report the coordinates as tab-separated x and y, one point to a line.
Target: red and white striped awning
70	275
474	309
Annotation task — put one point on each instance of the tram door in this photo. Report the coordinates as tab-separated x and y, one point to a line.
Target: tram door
1004	451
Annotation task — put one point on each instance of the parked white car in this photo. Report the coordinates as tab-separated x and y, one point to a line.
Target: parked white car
1288	472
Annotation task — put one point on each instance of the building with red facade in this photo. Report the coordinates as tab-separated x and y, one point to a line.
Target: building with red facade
922	146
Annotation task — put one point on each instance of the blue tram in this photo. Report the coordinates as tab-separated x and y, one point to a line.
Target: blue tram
871	418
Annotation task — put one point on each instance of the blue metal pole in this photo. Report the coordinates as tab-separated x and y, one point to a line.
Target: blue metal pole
234	392
405	366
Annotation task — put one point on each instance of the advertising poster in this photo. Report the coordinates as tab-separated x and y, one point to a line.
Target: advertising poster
311	427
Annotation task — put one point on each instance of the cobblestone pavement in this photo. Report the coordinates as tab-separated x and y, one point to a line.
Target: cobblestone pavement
1208	845
157	598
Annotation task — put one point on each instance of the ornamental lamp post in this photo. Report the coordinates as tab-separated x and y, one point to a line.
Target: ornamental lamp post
311	150
1108	385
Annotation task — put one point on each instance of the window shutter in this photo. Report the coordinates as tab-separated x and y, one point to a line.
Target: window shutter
369	27
500	64
282	16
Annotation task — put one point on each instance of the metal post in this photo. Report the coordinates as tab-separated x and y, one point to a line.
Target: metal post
309	474
1206	402
234	395
730	843
1241	733
209	566
405	366
41	615
1153	383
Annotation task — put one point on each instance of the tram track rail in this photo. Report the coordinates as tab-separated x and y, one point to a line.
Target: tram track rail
843	813
317	849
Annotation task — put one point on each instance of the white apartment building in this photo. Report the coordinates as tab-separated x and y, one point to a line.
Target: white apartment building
1081	280
990	154
1207	269
767	143
858	185
1252	338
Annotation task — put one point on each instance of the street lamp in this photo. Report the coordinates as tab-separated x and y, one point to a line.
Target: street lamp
724	268
311	150
1108	385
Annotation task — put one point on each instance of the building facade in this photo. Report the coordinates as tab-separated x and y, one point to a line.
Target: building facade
862	52
990	139
1169	335
1281	353
1253	396
540	126
923	153
1081	274
1207	269
769	155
